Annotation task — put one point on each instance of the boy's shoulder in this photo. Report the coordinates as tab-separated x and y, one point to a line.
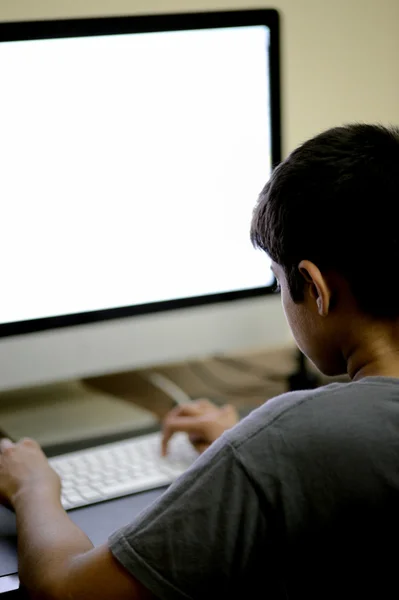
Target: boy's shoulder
295	439
323	412
282	410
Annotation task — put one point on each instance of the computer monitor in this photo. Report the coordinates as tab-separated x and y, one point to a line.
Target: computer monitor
132	152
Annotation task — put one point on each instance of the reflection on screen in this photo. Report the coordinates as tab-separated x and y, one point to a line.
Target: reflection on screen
130	168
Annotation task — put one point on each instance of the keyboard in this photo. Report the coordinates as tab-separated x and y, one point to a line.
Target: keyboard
121	468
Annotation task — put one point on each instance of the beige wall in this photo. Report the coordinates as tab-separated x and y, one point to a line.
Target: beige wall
340	57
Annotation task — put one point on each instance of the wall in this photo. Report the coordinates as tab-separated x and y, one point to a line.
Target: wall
339	56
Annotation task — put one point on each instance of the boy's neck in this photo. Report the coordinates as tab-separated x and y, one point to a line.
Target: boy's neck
376	354
375	370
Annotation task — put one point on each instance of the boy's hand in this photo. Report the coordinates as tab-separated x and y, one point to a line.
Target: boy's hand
24	469
201	420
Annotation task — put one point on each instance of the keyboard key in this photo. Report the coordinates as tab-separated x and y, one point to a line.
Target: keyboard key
90	494
124	488
73	497
67	484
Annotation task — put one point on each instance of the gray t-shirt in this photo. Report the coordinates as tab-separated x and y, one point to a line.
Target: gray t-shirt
299	500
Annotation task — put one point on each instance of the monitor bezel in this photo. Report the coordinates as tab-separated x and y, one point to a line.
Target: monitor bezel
84	27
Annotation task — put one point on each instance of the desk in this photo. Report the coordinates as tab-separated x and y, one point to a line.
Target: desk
213	379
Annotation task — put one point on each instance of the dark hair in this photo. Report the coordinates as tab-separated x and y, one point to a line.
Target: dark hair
335	201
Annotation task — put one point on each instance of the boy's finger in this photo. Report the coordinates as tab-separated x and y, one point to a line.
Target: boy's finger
173	425
5	443
183	410
205	404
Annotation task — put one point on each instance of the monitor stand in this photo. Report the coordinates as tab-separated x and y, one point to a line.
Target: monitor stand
70	415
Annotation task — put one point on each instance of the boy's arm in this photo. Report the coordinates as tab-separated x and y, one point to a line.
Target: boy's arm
56	559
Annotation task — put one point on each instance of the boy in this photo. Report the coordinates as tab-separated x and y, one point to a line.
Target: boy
301	499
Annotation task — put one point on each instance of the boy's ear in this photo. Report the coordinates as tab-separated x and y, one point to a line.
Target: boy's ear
317	285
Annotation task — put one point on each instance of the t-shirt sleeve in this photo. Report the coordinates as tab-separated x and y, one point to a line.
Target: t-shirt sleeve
204	538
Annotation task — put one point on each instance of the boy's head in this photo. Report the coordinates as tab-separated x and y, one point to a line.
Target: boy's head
329	220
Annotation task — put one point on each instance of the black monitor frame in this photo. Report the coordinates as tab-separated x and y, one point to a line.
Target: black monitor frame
34	30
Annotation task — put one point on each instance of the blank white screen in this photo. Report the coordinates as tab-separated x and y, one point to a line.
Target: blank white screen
130	168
